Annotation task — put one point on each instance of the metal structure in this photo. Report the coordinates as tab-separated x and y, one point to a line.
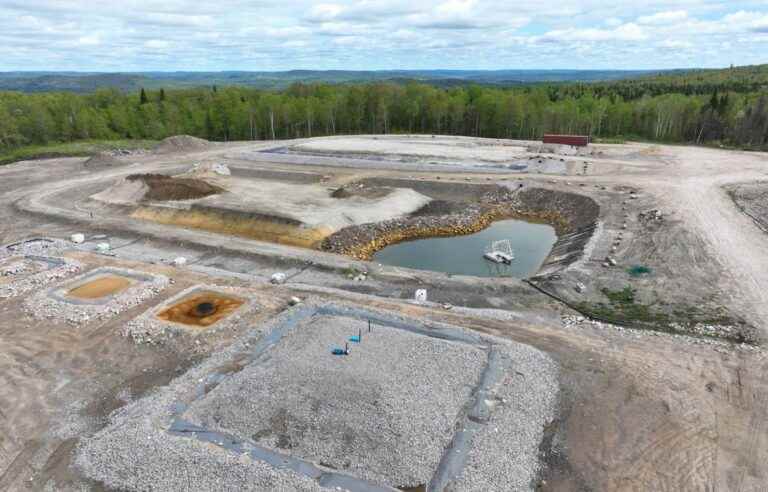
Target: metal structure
574	140
499	252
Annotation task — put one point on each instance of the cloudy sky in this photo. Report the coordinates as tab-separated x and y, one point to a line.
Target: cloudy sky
136	35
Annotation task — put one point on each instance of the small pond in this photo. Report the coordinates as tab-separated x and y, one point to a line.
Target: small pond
463	255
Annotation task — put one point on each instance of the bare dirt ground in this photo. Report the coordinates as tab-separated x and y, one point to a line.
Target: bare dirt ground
638	411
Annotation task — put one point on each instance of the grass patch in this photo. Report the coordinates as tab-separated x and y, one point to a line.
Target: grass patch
622	308
82	148
638	270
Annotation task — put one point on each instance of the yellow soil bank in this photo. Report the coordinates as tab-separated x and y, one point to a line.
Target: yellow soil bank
232	223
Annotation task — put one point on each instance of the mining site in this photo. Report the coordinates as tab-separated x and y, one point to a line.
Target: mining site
383	313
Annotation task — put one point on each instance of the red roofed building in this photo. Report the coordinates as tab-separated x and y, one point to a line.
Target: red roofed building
574	140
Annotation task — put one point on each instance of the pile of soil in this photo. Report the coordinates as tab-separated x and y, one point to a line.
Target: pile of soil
181	143
361	190
165	188
102	160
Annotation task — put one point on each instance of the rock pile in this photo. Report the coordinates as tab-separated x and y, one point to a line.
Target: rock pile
38	281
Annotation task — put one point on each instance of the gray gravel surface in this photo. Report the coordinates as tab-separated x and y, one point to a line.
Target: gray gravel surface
504	455
154	461
383	413
374	392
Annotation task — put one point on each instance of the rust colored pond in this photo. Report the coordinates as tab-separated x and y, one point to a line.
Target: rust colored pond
201	309
103	286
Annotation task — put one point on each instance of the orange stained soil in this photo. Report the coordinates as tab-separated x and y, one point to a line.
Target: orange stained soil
201	309
100	287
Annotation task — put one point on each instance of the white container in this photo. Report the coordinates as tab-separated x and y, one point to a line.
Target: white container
420	295
102	247
277	278
77	238
180	261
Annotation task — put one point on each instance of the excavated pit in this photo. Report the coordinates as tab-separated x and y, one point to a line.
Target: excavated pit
201	309
103	286
459	209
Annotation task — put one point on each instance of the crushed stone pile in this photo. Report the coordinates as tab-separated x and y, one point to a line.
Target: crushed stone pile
208	170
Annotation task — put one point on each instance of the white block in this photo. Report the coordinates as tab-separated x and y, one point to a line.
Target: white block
77	238
277	278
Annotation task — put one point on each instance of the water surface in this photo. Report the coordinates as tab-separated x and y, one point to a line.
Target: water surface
463	255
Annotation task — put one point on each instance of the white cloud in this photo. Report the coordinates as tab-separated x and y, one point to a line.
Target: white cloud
157	44
751	21
325	11
93	40
370	34
675	44
624	32
662	18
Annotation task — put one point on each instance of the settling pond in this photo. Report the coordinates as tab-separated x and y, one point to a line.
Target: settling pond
463	255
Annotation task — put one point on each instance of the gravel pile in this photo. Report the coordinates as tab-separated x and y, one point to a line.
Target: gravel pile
21	265
383	413
34	247
35	275
54	303
504	455
147	328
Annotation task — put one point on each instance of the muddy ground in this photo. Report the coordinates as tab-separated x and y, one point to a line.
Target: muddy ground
640	410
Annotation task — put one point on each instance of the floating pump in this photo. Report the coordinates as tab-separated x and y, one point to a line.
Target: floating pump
344	351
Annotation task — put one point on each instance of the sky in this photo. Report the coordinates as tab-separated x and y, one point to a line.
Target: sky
197	35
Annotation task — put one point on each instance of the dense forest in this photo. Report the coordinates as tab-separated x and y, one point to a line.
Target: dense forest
687	109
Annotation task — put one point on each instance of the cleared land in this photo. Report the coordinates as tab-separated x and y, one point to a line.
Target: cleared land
679	403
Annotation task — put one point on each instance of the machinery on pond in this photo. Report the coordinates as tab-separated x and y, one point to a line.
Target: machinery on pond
499	252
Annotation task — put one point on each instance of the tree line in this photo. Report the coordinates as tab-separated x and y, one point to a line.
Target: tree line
608	111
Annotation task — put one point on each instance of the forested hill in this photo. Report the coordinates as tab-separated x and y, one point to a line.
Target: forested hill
745	79
89	82
708	107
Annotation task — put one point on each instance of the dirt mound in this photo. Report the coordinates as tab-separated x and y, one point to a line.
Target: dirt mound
165	188
123	192
102	160
181	143
361	190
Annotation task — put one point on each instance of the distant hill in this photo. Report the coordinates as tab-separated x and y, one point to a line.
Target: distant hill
745	79
88	82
